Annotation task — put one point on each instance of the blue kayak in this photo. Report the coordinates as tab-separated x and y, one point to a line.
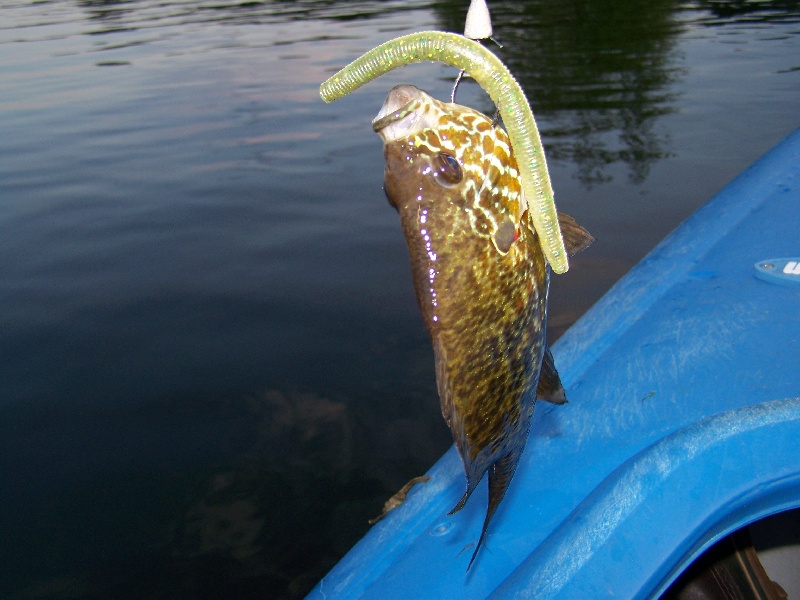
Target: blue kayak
683	425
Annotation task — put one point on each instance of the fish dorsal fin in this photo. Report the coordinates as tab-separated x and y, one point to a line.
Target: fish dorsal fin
550	388
576	238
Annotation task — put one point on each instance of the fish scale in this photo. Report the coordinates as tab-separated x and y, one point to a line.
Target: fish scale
484	156
480	277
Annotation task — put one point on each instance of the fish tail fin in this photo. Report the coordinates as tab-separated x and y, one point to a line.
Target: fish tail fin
550	388
576	238
500	475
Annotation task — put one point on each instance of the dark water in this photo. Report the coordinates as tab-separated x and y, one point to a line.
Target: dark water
212	369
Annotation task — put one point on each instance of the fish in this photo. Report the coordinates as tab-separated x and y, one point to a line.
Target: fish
480	276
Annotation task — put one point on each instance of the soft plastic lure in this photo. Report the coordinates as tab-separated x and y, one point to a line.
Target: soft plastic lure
494	77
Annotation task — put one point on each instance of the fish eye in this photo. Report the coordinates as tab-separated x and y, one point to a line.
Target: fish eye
447	170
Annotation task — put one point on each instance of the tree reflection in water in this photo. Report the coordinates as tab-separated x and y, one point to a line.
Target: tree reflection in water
598	76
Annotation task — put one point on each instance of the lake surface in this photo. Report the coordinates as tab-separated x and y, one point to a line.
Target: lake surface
212	367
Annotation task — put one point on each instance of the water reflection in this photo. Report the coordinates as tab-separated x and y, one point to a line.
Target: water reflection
745	11
147	13
598	76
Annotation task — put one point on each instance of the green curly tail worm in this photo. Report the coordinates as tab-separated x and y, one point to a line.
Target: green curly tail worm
494	77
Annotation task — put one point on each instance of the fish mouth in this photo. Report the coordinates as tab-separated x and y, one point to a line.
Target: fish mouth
400	114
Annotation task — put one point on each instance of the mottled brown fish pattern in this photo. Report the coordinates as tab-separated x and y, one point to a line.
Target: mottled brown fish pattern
480	277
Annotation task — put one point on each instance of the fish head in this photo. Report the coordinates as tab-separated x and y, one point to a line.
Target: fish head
444	157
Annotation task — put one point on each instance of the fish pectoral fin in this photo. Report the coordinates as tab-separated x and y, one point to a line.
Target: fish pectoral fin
500	474
576	238
460	504
472	483
452	418
443	381
550	388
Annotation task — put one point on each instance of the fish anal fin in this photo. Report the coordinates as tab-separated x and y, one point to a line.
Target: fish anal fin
576	238
500	474
550	388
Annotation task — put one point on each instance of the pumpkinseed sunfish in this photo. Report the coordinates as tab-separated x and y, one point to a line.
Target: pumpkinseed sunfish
480	277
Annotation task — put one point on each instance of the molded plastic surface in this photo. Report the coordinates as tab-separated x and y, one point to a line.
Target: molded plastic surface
682	426
783	271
